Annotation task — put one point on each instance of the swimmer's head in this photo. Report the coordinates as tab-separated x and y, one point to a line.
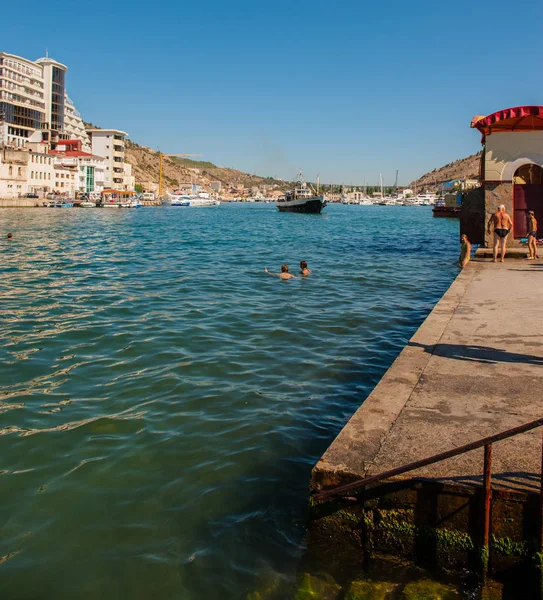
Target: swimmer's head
284	268
303	264
10	236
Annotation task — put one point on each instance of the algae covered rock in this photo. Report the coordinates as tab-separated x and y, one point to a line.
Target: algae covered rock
429	590
370	590
317	587
269	588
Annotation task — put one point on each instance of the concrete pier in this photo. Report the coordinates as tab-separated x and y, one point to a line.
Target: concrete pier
19	202
474	368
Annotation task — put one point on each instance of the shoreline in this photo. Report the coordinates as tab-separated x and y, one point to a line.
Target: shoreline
464	375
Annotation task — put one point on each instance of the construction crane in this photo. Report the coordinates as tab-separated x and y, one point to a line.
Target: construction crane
396	185
161	156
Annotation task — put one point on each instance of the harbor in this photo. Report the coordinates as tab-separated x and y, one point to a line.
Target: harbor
271	302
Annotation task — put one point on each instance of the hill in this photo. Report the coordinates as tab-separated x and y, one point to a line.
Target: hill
178	171
465	168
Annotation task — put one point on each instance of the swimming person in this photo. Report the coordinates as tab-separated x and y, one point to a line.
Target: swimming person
284	275
10	236
532	235
503	225
465	251
303	268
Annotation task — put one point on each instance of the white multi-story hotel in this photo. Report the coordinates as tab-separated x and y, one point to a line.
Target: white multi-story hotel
34	105
22	100
109	143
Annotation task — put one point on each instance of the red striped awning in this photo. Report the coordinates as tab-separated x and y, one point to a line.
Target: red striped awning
520	118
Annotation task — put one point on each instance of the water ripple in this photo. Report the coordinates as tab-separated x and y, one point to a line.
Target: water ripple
163	400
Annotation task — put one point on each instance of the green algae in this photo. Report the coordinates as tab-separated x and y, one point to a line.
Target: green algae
391	521
370	590
270	586
317	587
429	590
344	515
508	547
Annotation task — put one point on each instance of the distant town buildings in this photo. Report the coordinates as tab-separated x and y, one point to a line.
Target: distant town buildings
44	146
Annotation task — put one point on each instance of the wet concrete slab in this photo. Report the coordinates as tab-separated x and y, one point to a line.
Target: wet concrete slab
473	369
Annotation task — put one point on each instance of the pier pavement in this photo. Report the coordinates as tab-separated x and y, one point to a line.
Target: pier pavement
474	368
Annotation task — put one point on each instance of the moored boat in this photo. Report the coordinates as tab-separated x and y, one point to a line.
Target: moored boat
301	199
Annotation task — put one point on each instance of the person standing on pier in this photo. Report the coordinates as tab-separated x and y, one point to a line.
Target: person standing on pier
503	225
532	235
465	251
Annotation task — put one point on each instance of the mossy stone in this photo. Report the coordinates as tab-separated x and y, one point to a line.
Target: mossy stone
429	590
269	588
370	590
317	587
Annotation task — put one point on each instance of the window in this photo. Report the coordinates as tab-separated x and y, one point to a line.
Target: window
19	171
10	171
32	175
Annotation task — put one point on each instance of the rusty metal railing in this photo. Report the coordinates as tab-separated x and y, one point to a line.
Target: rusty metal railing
487	478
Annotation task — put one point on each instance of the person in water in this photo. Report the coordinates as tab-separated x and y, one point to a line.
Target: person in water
503	225
303	268
10	236
531	221
465	251
284	273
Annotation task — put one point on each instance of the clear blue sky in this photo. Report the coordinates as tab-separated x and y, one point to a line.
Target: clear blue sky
345	89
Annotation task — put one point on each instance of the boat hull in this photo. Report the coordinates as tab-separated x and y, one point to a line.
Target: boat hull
310	206
447	211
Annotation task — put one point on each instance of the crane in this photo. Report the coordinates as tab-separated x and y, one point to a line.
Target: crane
161	156
396	185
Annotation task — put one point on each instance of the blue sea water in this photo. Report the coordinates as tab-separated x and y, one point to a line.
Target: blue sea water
163	400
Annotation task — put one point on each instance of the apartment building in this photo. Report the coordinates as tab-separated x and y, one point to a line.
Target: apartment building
74	128
22	100
88	169
34	105
13	173
109	144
